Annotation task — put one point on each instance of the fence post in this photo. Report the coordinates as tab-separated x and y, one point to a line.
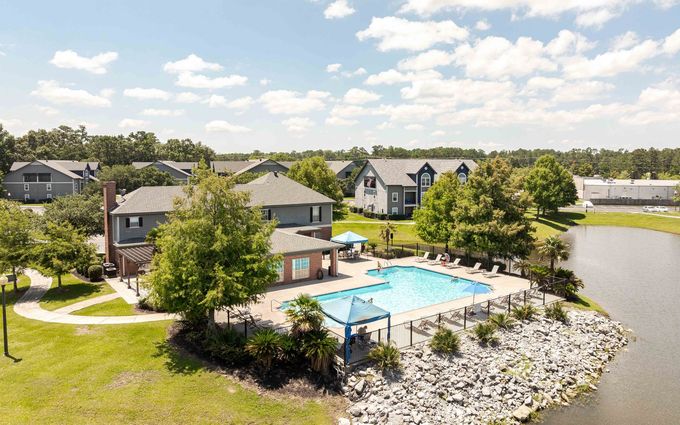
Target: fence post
228	319
379	338
488	308
543	296
509	303
417	249
410	329
465	318
439	320
525	297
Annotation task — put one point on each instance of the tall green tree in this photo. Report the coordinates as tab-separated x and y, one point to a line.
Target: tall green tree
84	213
16	240
62	248
315	174
434	219
490	214
129	178
553	248
213	252
550	184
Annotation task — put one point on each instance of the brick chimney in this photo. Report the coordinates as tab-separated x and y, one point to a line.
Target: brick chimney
109	189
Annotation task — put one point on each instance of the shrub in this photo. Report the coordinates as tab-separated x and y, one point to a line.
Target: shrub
290	349
445	341
372	245
149	303
360	210
502	320
556	312
525	312
305	314
264	346
485	332
223	345
95	272
567	284
385	356
319	348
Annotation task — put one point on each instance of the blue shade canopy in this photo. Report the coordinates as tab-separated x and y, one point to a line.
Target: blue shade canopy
352	310
349	238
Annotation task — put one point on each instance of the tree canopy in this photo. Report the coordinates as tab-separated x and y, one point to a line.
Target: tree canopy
434	218
315	174
129	178
62	248
16	239
490	214
213	252
551	186
82	212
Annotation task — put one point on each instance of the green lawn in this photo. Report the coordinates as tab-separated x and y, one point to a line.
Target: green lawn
72	291
585	303
115	307
123	374
405	233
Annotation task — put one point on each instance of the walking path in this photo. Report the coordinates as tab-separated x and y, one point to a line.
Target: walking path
29	306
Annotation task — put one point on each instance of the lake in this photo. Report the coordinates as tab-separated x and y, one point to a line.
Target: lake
635	275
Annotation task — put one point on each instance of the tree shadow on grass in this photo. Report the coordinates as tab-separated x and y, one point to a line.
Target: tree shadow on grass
561	221
71	292
177	361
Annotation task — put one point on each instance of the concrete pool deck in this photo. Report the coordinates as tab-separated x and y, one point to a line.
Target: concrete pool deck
353	275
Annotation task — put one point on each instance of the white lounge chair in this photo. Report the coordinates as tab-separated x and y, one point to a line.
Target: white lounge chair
493	272
475	269
454	264
424	258
436	260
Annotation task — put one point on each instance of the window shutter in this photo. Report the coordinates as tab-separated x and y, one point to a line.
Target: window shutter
311	214
141	221
269	214
320	209
127	221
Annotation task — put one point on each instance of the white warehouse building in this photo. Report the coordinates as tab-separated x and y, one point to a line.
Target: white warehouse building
624	189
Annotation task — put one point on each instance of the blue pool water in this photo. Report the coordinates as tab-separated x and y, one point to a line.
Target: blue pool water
410	288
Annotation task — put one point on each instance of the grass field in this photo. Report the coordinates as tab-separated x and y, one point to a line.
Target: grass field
123	374
115	307
585	303
72	290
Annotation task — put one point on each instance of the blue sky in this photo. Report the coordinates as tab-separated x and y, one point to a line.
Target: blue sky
299	74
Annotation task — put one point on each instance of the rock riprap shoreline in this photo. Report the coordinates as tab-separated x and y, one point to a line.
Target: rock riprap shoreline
535	365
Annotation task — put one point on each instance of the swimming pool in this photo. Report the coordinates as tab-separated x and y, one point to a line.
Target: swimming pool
409	288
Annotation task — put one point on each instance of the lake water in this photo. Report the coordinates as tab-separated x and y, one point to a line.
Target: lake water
635	275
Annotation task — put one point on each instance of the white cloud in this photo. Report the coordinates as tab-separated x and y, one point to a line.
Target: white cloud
582	90
405	112
499	58
392	76
568	43
543	83
612	62
242	103
51	91
191	63
187	97
414	127
395	33
47	110
451	92
338	121
163	112
338	9
426	60
438	133
132	123
359	96
265	82
11	124
147	94
359	71
334	67
216	101
71	60
219	126
482	25
625	40
298	124
200	81
671	44
290	102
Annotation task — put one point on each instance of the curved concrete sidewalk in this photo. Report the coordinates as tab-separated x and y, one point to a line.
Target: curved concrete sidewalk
28	306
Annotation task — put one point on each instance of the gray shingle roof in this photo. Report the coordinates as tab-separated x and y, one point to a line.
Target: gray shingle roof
395	171
238	167
63	167
290	243
178	166
338	166
272	189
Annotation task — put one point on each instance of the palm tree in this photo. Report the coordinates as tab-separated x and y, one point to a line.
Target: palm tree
319	348
386	232
554	249
523	266
305	314
265	346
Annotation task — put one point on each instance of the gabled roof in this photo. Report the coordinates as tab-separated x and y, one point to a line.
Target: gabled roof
395	172
59	166
177	166
238	167
338	166
272	189
291	243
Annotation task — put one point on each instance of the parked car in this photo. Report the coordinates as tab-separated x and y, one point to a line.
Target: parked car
662	209
648	208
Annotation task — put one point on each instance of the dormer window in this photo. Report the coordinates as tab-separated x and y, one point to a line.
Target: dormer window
462	178
425	181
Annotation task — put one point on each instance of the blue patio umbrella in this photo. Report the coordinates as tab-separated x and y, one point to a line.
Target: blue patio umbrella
351	311
349	238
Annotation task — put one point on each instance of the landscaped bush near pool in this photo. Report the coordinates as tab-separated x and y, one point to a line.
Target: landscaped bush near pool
95	273
445	341
385	356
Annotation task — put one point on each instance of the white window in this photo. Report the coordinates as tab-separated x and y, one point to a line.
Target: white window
395	210
300	268
316	214
48	187
266	214
462	178
425	181
27	187
395	196
27	197
75	186
280	270
135	222
49	196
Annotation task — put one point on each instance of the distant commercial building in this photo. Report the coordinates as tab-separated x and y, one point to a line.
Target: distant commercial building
626	191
